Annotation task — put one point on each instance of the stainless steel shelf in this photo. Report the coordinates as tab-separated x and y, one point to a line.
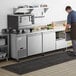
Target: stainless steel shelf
2	46
4	49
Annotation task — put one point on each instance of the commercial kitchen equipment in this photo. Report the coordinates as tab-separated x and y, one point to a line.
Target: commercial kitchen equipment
34	43
37	10
49	41
18	46
60	40
19	21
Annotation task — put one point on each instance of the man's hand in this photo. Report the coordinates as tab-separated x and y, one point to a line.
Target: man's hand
67	27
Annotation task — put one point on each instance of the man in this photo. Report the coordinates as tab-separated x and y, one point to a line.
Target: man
71	22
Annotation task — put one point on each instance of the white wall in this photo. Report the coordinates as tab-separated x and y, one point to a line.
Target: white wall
56	10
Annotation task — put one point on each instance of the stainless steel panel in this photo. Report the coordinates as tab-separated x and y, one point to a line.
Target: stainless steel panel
34	44
21	42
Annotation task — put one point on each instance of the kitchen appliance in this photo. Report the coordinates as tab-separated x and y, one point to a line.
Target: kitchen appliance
49	41
37	10
19	21
60	40
34	45
18	46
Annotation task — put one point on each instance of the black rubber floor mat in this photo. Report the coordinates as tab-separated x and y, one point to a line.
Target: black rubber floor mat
39	63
